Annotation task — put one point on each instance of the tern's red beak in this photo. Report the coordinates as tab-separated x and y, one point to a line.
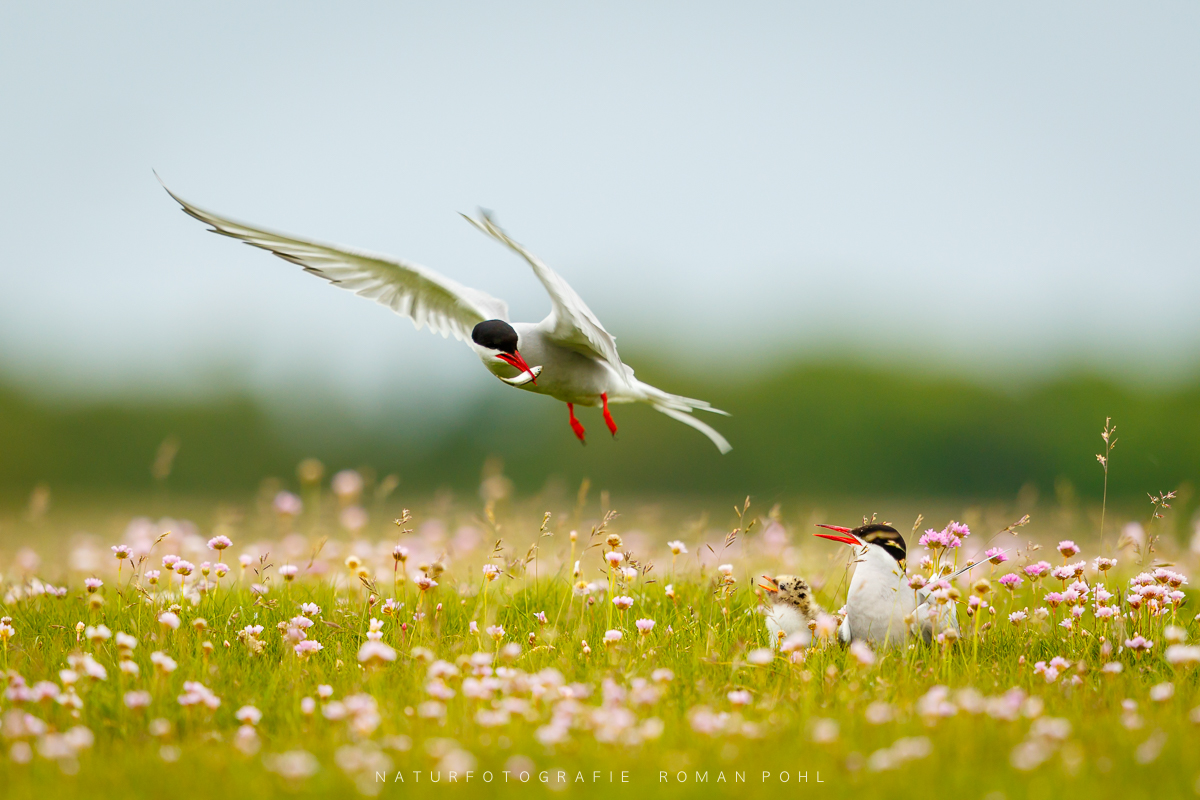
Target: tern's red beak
518	362
769	584
847	538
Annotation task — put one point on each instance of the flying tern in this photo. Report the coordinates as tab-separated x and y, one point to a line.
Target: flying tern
575	358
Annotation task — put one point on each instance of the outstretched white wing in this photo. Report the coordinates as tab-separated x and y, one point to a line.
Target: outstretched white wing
410	290
571	323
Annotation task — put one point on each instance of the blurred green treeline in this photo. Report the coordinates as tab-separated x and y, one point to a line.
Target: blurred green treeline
813	428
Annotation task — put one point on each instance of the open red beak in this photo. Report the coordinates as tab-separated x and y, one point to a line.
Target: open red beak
769	584
518	362
847	538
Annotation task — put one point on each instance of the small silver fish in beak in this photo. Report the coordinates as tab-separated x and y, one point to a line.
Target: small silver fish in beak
525	377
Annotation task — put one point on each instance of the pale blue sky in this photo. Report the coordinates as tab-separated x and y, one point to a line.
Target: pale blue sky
968	183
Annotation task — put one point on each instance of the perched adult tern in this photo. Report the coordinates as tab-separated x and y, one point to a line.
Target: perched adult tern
881	607
576	358
791	606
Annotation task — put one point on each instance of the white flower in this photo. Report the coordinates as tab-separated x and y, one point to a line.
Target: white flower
760	656
249	715
169	619
373	652
1162	692
677	548
1183	654
862	652
163	661
98	634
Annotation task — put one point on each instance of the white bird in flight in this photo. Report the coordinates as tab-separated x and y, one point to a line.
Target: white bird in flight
576	358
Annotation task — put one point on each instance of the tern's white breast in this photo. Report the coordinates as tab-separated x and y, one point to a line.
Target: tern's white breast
566	375
878	600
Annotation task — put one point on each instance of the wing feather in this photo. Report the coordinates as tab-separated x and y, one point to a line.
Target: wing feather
570	323
409	289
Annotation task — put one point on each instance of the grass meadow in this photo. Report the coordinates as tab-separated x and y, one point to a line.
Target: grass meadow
322	643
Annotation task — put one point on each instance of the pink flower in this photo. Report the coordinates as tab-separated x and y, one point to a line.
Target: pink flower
1050	673
288	504
308	647
354	518
248	715
136	700
1035	571
1010	581
949	537
122	551
373	652
1068	548
219	543
1139	644
347	485
644	626
996	555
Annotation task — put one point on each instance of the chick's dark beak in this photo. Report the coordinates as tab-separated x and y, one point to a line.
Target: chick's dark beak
514	359
846	538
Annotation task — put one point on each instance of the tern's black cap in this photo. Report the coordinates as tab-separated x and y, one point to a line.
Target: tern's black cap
495	334
886	537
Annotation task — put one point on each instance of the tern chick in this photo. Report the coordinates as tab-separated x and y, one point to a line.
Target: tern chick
792	606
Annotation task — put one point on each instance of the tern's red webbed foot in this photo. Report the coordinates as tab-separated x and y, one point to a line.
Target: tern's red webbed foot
608	420
576	425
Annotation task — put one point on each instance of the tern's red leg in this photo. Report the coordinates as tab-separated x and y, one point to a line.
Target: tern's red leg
576	425
608	420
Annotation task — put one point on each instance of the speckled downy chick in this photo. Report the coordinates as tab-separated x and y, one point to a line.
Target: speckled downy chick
791	606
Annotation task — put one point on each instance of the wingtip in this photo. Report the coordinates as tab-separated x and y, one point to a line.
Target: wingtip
167	189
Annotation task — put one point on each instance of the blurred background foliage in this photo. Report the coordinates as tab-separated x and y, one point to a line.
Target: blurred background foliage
834	427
